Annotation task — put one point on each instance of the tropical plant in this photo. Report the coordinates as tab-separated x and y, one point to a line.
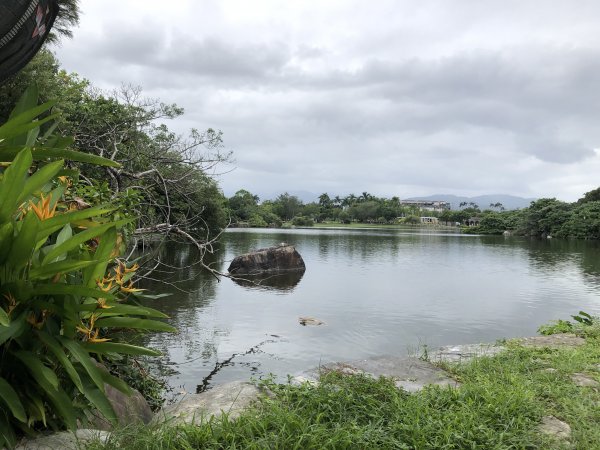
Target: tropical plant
63	292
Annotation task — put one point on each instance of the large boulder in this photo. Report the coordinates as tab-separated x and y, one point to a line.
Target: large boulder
278	259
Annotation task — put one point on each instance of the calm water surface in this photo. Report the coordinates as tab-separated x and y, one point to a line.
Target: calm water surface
379	292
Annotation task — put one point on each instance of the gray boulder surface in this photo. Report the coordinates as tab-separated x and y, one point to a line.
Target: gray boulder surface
272	260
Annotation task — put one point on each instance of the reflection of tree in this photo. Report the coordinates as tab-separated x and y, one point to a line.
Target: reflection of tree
555	254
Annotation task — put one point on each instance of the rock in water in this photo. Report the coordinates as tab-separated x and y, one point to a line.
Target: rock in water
282	258
310	321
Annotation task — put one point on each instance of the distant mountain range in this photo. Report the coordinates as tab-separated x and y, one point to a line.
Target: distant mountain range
508	201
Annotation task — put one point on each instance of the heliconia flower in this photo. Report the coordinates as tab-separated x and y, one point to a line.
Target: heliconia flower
102	304
42	208
12	302
105	284
96	339
130	288
132	268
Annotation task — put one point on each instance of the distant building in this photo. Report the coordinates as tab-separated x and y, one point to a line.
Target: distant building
430	220
427	205
473	221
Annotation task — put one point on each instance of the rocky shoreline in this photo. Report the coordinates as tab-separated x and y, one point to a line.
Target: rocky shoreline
409	373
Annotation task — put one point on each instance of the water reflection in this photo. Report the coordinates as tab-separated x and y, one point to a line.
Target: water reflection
277	282
378	291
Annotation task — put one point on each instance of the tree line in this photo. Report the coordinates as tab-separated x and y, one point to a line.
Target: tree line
544	217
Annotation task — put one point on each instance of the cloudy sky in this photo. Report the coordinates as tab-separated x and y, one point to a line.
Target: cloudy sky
398	97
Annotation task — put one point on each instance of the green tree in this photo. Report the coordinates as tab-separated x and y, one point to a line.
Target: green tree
287	206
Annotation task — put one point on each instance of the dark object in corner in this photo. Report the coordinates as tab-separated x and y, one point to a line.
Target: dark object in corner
24	26
282	258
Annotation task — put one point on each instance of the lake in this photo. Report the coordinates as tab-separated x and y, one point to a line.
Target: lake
380	292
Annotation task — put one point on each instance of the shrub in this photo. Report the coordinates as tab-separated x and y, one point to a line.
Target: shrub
62	290
302	221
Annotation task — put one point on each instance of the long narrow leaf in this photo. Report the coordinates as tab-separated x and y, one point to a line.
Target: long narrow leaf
103	348
12	184
70	289
49	270
14	329
4	319
121	310
98	399
102	255
11	399
39	179
83	357
63	404
134	323
62	358
41	373
24	244
78	239
29	114
74	155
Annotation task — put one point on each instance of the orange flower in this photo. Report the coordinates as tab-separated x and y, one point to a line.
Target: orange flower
130	288
132	268
102	304
90	332
105	284
32	318
42	209
12	302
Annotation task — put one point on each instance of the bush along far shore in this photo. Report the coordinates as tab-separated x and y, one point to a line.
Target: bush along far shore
501	403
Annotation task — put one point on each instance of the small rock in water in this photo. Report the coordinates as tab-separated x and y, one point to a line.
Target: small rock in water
310	321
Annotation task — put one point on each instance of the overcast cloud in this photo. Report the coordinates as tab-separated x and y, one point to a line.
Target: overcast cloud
401	98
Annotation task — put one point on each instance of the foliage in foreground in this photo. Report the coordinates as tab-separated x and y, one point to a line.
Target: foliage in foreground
61	293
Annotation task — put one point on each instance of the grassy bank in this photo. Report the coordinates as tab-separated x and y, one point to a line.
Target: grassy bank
499	405
400	226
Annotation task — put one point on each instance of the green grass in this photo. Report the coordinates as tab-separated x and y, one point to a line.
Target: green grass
499	406
398	226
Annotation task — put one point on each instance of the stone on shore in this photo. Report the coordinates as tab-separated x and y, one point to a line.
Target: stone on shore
410	374
231	399
278	259
64	440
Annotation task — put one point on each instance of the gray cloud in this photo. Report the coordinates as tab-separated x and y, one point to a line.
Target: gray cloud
471	99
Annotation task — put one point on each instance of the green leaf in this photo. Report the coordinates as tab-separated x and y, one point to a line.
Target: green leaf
73	155
15	329
24	243
65	266
6	238
8	439
134	323
62	358
11	399
78	239
102	256
115	382
121	310
98	398
102	348
4	319
83	357
27	101
49	226
11	130
69	289
40	372
63	404
12	184
41	177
